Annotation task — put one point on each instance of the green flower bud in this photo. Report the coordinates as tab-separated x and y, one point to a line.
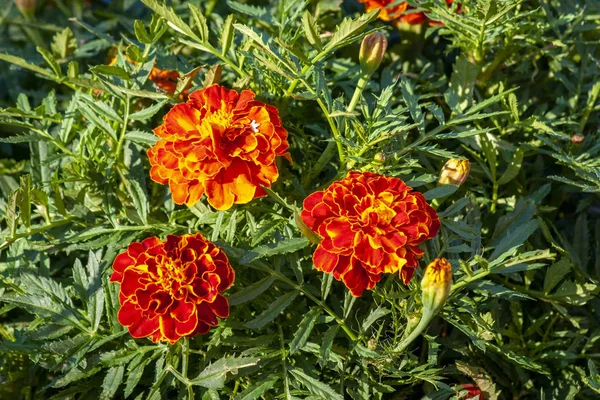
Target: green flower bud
436	285
372	50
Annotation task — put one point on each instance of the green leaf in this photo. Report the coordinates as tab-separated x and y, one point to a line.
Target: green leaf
408	94
213	376
327	343
172	19
315	386
228	34
64	43
304	329
140	32
147	112
349	29
281	247
141	137
514	238
514	106
461	86
111	382
440	191
95	292
111	70
513	168
134	376
273	311
24	200
201	24
556	273
311	30
24	64
50	60
377	313
250	292
258	389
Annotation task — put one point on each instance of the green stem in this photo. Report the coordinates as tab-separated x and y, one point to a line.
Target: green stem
494	197
185	356
360	87
320	303
124	129
421	326
8	242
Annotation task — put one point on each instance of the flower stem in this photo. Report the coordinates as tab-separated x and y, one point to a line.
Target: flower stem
360	87
421	326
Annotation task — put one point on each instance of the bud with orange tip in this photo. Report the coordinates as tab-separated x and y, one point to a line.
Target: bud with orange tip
436	285
455	172
372	50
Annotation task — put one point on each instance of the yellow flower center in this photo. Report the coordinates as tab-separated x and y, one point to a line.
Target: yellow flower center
384	213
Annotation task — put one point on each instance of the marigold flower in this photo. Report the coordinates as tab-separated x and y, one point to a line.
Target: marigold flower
471	391
370	224
172	289
455	172
398	12
220	143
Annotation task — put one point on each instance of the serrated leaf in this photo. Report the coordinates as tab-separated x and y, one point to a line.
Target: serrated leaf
440	191
556	273
142	137
513	168
172	18
348	30
258	389
95	292
147	112
377	313
111	382
250	292
462	82
281	247
304	329
213	376
273	311
315	386
64	43
50	60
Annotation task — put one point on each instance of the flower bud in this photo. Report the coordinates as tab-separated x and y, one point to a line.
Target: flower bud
372	50
455	172
27	7
577	138
379	158
436	284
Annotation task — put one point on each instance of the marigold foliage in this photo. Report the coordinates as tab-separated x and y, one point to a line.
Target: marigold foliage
165	170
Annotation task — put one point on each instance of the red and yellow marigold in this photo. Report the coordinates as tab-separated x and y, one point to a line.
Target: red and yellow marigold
370	224
172	289
398	12
220	143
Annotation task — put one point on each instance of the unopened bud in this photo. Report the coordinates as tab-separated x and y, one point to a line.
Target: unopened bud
372	50
436	284
577	138
27	7
455	172
372	344
379	158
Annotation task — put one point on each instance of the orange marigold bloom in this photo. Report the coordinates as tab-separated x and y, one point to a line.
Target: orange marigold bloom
172	289
398	11
220	143
370	224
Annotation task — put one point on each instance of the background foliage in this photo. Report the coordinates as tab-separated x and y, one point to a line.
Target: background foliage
511	86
